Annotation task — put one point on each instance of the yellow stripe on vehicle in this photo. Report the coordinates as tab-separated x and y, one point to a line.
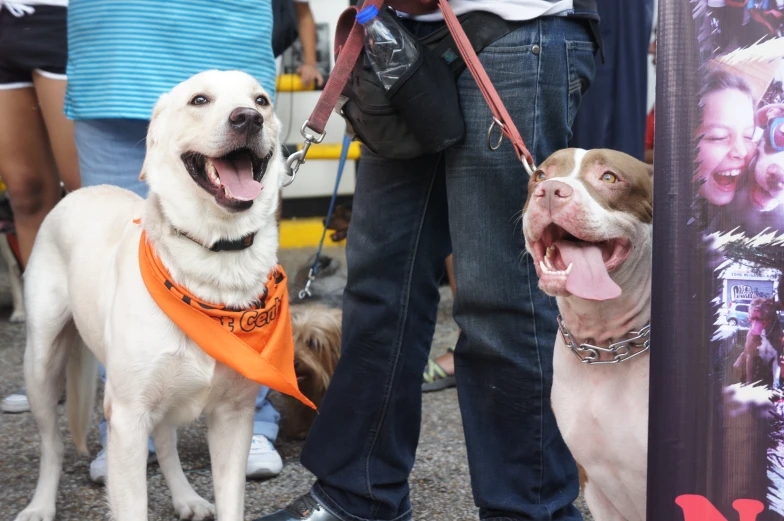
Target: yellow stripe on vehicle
304	233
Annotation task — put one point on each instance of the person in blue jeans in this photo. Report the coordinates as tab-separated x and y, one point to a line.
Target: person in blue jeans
122	56
407	216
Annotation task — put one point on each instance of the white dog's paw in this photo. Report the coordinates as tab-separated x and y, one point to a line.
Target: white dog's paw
194	508
17	316
32	513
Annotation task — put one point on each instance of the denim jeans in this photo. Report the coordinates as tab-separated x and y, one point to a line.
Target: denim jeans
615	109
408	215
111	151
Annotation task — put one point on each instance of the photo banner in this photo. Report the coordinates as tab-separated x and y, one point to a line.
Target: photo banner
716	431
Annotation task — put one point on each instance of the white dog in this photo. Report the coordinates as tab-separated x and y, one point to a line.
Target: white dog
214	168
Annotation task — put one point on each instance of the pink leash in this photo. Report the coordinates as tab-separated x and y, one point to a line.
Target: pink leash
349	39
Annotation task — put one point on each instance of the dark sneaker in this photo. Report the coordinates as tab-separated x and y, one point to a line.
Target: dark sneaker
303	509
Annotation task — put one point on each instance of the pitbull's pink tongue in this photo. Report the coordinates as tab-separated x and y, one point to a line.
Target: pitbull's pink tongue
756	327
588	277
237	176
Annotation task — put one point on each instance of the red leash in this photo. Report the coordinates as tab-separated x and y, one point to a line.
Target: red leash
349	39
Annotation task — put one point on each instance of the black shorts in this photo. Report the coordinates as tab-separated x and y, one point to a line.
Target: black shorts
36	42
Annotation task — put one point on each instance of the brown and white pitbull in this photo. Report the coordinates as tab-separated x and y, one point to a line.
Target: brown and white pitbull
588	224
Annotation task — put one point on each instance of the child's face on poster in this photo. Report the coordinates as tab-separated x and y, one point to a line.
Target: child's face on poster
726	145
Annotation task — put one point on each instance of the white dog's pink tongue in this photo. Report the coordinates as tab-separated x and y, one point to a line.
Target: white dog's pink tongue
237	176
588	277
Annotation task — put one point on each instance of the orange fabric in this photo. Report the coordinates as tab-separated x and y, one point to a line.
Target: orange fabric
256	342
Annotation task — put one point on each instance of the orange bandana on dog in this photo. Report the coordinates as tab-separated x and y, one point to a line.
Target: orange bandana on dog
256	342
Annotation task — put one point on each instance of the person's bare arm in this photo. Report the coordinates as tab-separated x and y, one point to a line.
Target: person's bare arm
308	71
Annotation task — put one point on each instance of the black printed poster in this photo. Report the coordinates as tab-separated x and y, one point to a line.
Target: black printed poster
716	437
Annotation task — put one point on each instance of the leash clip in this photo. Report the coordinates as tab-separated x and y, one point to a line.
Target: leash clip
305	292
295	160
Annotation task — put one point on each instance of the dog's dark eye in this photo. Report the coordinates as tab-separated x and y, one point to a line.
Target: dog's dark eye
609	177
262	101
539	176
199	100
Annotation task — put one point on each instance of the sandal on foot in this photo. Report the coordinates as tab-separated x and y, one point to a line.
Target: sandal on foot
435	378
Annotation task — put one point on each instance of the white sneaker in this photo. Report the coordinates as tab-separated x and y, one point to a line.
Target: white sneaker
263	460
16	402
98	466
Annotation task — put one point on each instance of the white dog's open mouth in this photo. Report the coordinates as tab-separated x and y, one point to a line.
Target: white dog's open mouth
233	179
570	265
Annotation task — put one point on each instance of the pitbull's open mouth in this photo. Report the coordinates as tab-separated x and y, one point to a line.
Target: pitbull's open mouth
233	179
759	321
568	264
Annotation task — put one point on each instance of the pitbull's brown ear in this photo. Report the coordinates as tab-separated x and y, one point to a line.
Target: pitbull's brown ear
769	112
156	111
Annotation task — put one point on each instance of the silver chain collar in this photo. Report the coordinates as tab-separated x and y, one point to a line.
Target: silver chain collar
636	344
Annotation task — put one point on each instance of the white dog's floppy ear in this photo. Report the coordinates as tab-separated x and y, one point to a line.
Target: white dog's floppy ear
769	112
151	137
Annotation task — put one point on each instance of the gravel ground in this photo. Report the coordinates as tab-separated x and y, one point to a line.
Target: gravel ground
440	485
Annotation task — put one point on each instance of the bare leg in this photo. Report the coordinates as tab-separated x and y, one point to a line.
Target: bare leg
27	165
51	98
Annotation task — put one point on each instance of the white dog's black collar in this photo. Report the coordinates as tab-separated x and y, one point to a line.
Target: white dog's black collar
239	244
223	244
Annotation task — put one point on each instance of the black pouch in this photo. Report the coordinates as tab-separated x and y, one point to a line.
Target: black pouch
420	114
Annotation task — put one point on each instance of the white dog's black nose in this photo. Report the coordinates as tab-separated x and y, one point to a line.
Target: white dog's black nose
245	120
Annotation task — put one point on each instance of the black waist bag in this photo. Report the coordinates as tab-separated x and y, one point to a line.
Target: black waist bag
420	114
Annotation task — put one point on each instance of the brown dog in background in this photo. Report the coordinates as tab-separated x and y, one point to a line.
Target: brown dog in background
760	359
317	335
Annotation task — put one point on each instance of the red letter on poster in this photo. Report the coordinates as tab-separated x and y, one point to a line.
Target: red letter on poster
698	508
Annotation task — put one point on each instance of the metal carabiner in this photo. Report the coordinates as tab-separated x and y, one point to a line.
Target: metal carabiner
310	137
295	160
529	168
305	292
490	132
